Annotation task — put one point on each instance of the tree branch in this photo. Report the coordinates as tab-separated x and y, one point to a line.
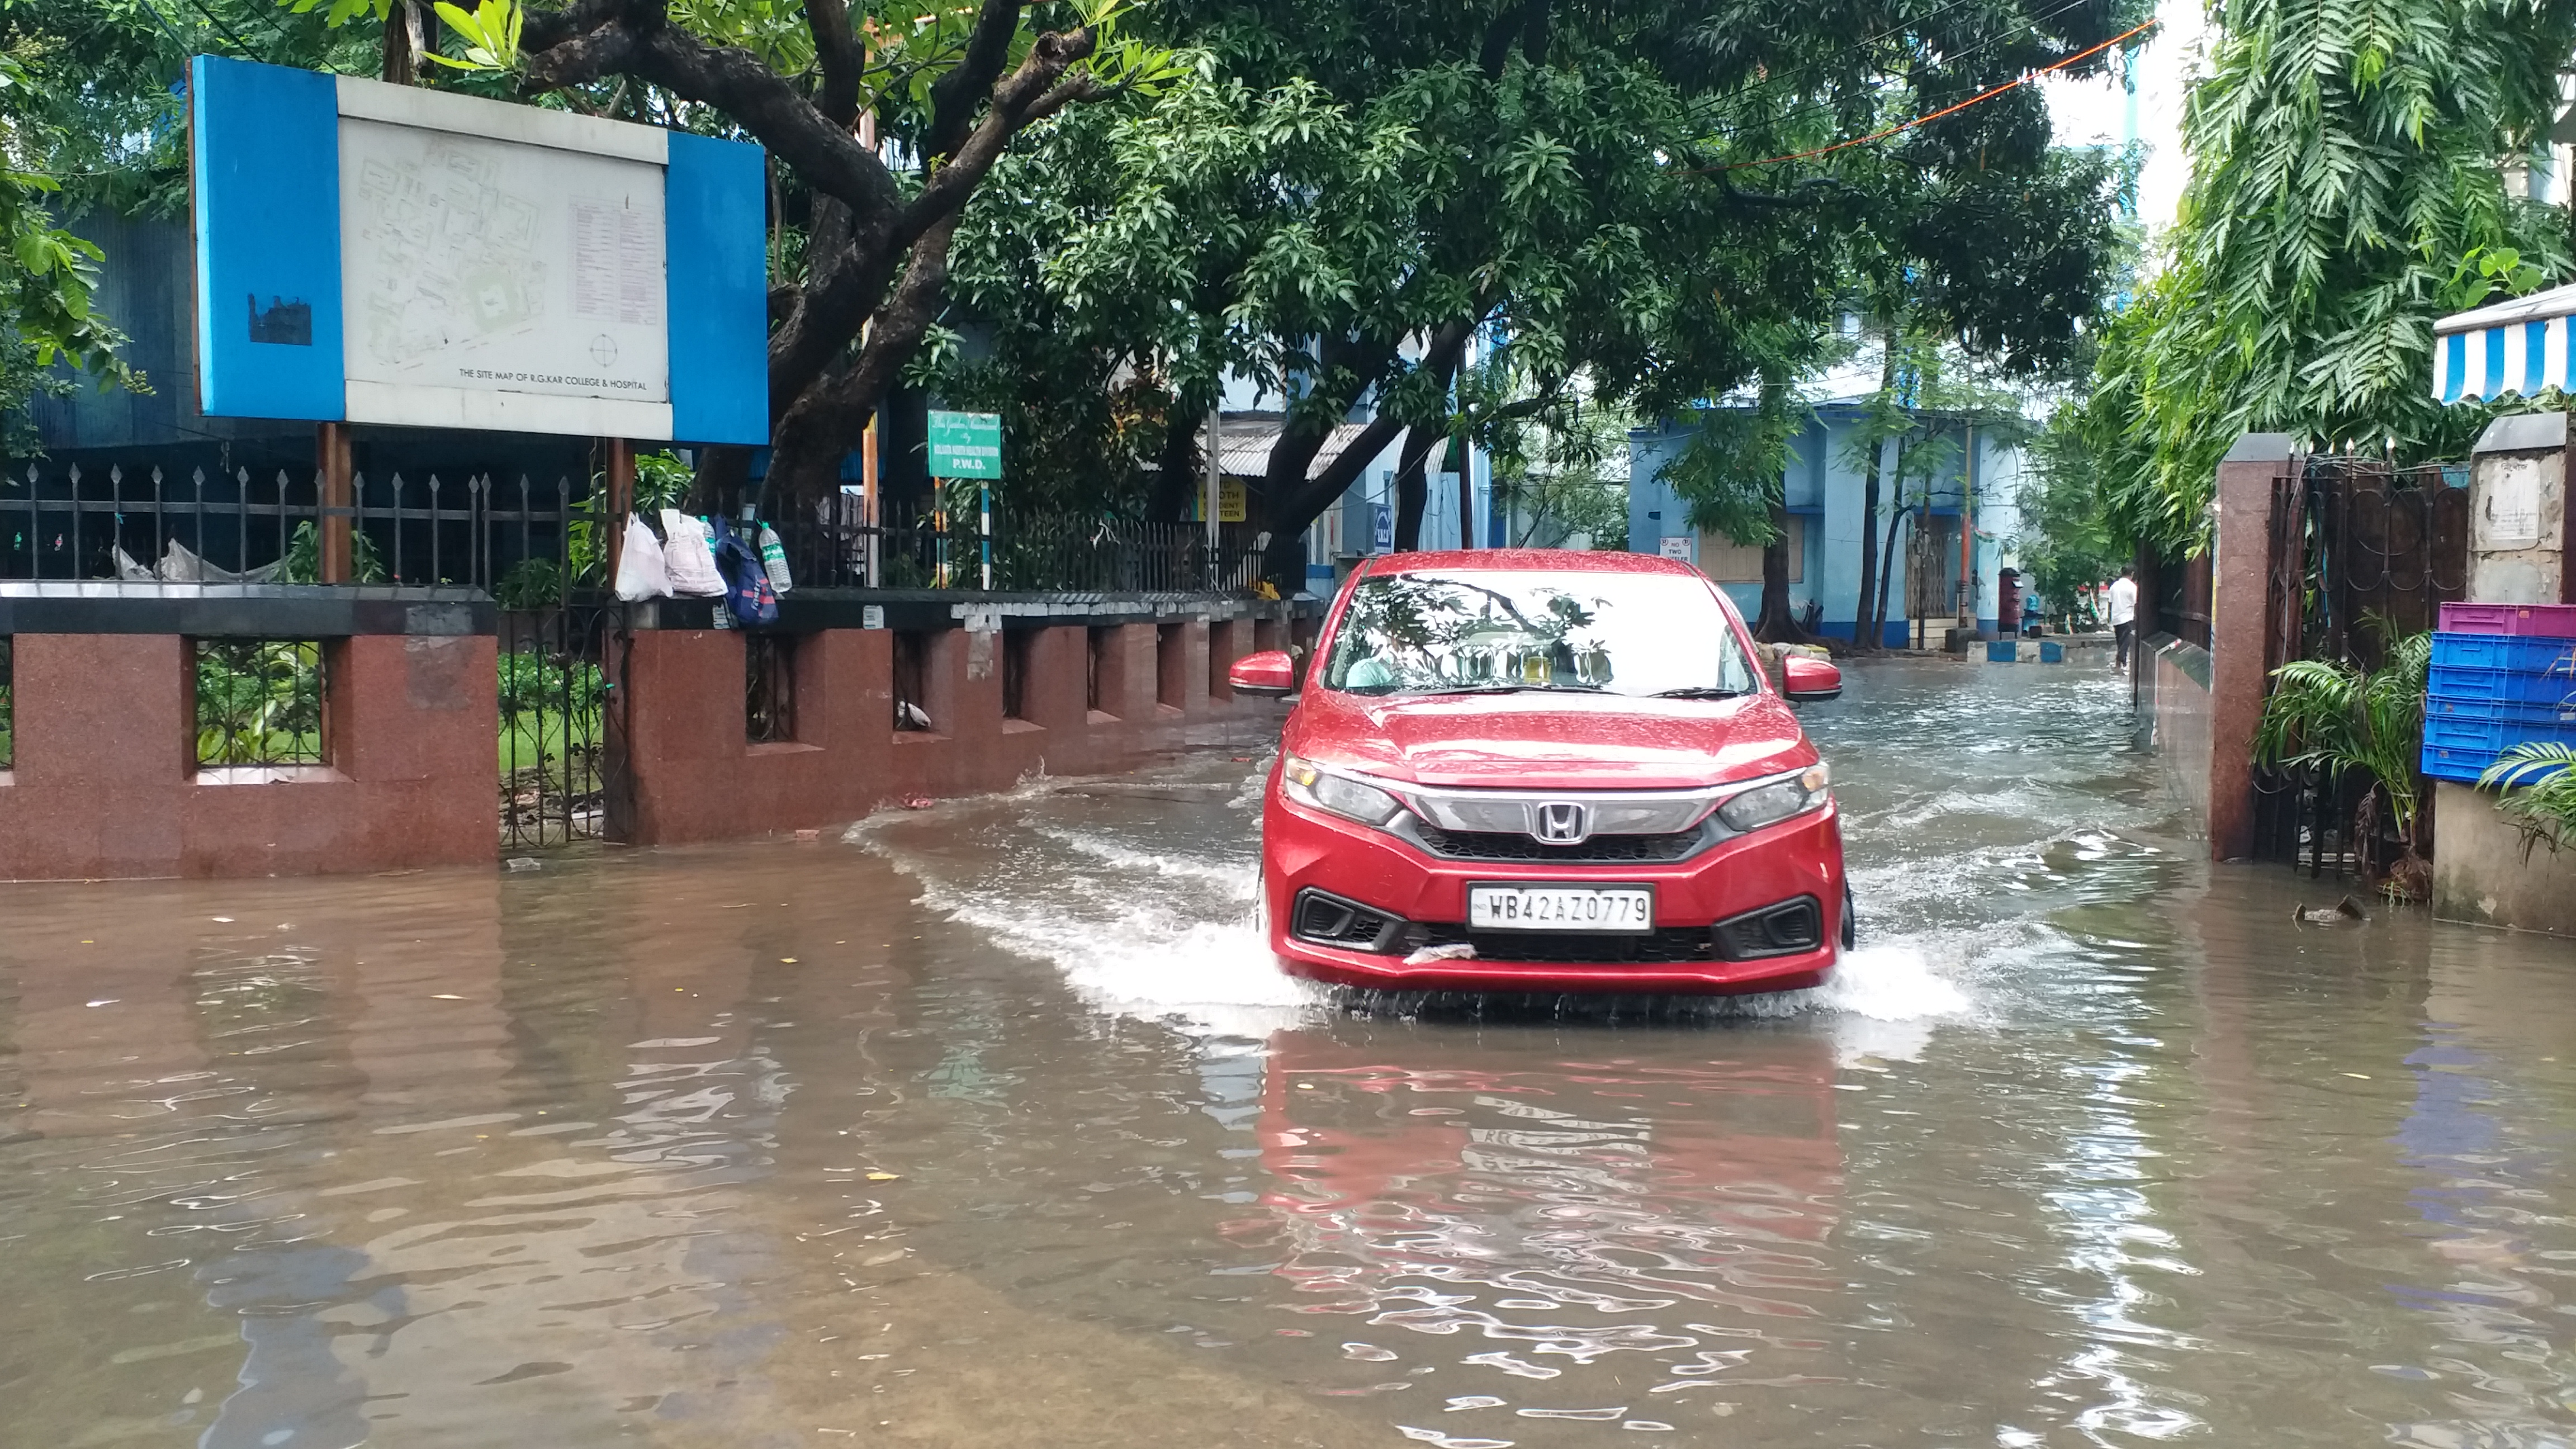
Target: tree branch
837	47
1039	82
954	96
631	36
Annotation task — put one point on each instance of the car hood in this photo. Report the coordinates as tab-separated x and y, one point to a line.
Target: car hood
1555	741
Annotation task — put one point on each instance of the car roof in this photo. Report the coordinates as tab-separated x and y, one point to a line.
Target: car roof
1539	560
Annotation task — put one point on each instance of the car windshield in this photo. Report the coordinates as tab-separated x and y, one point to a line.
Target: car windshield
1508	630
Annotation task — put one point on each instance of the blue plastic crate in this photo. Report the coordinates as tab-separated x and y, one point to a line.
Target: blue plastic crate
2522	711
2459	681
2517	654
2460	746
2051	652
2002	651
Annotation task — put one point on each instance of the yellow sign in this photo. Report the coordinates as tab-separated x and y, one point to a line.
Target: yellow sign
1230	505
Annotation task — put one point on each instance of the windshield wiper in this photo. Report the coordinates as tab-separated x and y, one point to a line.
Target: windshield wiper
1516	689
1700	691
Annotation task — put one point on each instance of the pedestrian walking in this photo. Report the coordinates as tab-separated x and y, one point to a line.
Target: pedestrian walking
2124	616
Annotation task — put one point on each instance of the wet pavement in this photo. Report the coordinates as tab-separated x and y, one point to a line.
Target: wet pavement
994	1125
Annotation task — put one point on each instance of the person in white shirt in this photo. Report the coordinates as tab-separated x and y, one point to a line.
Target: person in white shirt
2124	615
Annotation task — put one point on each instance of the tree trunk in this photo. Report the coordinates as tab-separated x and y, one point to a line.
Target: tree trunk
1291	499
1183	475
1887	576
1861	637
1412	489
1778	623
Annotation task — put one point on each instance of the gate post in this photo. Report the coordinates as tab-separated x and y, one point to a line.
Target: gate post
2240	594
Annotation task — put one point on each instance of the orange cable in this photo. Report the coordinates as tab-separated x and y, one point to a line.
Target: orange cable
1985	95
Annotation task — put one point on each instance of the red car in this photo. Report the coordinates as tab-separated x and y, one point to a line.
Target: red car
1533	770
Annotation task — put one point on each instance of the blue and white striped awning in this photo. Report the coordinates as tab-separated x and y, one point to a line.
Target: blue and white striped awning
2519	346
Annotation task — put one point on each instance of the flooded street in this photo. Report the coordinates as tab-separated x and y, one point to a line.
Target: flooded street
994	1124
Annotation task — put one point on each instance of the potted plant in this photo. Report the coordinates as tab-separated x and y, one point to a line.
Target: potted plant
2339	719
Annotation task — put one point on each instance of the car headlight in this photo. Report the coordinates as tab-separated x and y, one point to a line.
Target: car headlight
1338	794
1777	801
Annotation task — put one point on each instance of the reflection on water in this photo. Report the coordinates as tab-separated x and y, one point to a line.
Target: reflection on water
993	1124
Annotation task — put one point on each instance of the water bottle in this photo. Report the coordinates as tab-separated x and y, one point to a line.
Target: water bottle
773	560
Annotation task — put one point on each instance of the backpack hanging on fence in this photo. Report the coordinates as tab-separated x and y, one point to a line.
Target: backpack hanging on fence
773	560
748	596
684	553
641	573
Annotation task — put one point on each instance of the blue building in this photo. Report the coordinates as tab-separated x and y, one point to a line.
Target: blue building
1823	482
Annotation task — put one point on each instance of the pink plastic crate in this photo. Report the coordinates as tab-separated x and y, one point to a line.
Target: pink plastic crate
2544	621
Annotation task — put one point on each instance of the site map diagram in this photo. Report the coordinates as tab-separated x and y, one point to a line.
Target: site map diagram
476	264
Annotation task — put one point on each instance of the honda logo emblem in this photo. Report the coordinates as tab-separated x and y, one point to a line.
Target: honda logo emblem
1562	822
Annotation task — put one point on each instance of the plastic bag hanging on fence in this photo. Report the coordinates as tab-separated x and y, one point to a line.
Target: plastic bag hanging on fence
685	555
641	574
748	596
773	560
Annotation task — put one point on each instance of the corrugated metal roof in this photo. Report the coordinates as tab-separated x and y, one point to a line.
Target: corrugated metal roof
1247	442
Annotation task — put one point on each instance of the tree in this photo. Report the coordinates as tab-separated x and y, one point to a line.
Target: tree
47	318
1560	476
881	124
1590	189
2347	181
1933	400
2068	541
1732	477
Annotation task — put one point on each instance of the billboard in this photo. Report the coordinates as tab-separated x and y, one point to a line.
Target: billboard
371	253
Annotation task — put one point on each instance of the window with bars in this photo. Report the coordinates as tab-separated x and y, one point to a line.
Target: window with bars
260	702
1015	672
769	688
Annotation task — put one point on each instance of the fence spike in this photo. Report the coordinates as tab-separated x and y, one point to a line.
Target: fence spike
156	477
75	471
115	475
199	478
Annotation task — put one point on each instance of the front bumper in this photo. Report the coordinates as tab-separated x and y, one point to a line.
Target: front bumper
1422	900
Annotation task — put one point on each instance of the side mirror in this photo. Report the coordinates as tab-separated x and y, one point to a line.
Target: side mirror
1804	678
1270	674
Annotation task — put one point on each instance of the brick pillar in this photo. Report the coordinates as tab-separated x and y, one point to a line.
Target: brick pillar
1136	674
1052	696
104	741
1181	666
2239	611
416	723
683	743
2519	519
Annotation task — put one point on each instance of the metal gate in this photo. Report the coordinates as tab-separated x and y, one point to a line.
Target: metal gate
2362	553
563	722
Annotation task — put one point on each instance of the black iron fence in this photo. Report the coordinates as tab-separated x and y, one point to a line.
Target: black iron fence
2363	553
529	542
245	526
930	545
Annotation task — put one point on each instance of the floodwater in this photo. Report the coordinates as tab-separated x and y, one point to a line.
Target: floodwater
993	1125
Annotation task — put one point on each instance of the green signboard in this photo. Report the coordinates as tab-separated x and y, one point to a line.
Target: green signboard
965	445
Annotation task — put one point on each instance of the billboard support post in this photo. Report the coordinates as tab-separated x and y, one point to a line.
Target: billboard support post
620	471
331	450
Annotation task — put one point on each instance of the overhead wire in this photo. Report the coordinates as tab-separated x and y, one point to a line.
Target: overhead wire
1901	127
1818	66
1816	108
